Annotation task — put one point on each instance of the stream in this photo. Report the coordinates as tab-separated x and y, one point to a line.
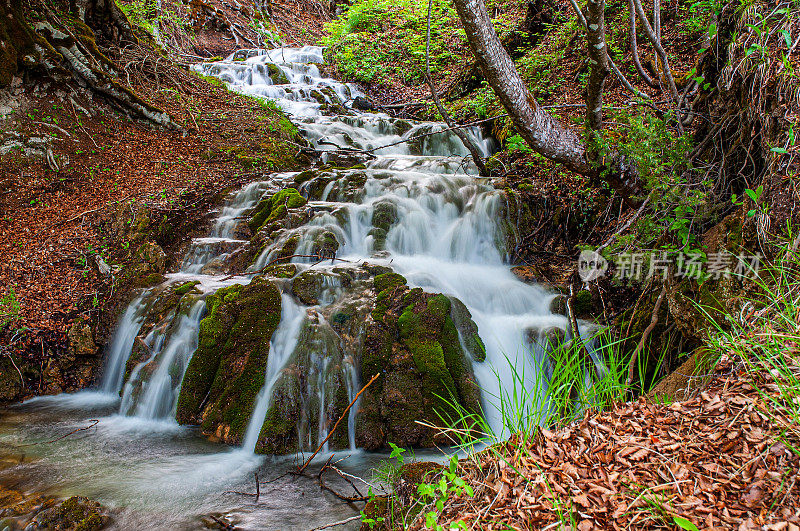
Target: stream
448	238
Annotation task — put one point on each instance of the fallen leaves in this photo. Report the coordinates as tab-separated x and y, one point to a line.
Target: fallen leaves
712	461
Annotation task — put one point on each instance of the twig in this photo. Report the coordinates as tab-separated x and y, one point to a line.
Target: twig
222	523
344	414
624	227
340	522
94	422
646	333
21	379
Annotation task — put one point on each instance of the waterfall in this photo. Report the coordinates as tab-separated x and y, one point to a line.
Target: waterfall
127	330
281	349
447	237
417	207
159	393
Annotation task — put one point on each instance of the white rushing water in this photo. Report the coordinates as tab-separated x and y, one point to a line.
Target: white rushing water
448	236
442	230
281	349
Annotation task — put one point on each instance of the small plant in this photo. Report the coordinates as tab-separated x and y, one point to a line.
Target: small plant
436	494
9	308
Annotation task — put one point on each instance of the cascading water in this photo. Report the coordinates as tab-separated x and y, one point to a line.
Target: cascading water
416	207
445	235
281	348
127	330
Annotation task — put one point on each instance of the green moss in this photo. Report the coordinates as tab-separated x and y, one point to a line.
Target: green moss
275	207
282	270
384	215
307	286
583	303
227	370
304	176
388	281
186	287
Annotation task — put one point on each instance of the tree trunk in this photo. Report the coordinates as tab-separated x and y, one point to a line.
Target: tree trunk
546	135
65	46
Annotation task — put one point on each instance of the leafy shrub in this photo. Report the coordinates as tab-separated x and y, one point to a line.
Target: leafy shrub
375	39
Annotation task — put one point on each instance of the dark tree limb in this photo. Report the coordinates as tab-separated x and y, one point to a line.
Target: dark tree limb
545	134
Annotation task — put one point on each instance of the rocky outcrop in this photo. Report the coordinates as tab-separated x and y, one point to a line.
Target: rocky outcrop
227	369
413	341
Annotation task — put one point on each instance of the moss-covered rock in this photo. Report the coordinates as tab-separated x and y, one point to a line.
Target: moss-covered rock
384	215
414	343
76	513
308	286
275	207
281	270
227	369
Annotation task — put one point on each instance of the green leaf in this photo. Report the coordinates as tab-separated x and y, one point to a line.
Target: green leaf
787	38
683	523
779	150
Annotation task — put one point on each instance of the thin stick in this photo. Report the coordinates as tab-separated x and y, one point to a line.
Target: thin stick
344	414
646	334
340	522
94	422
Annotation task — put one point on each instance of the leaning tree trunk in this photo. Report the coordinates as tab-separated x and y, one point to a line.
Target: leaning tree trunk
45	38
545	134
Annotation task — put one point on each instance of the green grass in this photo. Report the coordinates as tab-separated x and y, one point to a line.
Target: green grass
378	39
765	337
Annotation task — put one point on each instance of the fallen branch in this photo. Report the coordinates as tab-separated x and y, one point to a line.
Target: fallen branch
94	422
344	414
340	522
646	333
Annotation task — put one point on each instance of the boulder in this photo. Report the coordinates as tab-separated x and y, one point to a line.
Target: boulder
227	370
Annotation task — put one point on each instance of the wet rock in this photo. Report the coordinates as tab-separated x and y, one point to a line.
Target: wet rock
227	369
414	343
10	382
147	265
325	245
77	513
275	207
308	286
282	270
81	340
363	104
558	305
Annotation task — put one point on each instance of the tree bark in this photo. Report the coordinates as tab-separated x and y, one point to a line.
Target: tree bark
598	58
43	44
545	134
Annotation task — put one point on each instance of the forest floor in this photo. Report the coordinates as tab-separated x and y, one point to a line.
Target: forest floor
71	159
724	457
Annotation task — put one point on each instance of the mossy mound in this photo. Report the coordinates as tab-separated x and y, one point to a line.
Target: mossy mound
275	207
227	369
297	419
308	286
414	343
76	513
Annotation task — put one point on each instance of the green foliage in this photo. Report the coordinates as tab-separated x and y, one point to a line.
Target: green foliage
376	39
449	484
9	308
145	14
678	204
